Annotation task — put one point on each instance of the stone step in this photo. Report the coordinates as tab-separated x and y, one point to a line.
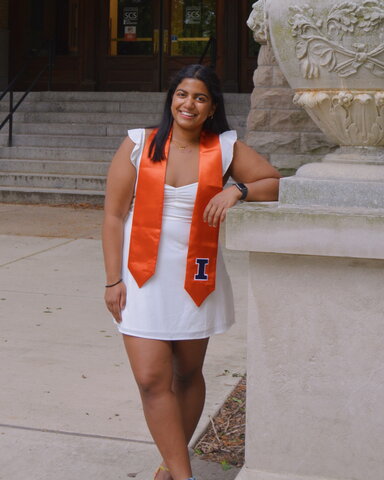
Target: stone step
128	120
64	141
148	110
95	106
53	167
64	96
124	120
73	154
152	97
243	98
29	128
50	196
61	141
235	107
67	182
95	133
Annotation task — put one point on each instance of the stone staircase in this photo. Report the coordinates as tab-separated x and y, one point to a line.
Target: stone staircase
63	142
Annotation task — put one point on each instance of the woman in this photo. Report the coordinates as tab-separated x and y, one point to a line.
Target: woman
167	287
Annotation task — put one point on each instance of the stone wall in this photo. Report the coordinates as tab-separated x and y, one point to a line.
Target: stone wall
276	127
4	36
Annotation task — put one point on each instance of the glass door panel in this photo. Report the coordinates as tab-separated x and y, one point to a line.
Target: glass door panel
130	58
193	22
131	28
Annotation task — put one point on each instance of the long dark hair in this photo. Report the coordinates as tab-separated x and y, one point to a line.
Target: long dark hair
217	124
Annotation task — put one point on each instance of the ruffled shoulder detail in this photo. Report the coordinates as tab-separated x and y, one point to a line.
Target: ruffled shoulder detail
137	135
227	142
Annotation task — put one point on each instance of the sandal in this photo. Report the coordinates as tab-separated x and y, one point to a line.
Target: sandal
160	468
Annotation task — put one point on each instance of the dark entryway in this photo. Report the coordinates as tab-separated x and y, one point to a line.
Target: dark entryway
119	45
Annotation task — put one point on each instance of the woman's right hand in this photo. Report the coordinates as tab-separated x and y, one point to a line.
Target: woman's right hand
115	298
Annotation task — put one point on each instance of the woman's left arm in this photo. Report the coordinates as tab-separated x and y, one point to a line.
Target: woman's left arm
258	175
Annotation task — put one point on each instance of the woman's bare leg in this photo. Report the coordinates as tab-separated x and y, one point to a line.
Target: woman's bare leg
188	381
152	366
188	385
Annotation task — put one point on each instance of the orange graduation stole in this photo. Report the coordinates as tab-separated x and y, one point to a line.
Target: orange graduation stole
147	218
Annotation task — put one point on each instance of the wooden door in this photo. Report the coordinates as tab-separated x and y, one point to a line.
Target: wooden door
189	27
130	46
33	23
149	40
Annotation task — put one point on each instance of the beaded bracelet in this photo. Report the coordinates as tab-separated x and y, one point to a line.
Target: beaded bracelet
113	284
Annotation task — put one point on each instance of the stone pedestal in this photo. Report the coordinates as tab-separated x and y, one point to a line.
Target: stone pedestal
315	341
315	406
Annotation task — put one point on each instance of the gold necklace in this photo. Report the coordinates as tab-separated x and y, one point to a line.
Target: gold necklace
179	146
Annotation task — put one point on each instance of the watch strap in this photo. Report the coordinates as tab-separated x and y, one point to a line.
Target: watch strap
243	189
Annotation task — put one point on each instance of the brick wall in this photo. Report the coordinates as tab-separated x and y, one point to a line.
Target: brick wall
277	128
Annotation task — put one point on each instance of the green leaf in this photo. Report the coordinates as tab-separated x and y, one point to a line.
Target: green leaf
237	400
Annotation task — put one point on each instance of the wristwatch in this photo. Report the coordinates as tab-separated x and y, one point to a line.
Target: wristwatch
243	189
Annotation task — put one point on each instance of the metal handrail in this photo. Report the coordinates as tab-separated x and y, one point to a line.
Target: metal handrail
12	108
212	44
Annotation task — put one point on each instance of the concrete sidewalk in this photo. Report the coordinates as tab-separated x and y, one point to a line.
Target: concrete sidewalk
69	406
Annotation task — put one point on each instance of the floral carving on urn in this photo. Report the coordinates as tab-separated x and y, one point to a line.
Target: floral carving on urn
349	118
328	44
332	54
320	42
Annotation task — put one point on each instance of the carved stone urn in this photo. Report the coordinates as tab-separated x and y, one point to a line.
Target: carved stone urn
332	54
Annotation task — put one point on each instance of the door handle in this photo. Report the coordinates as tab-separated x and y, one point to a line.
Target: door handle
165	41
155	41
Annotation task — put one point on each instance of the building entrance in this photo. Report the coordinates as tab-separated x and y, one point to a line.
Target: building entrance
137	45
149	39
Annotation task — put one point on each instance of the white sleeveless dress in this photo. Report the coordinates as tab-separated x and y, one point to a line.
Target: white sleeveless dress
161	308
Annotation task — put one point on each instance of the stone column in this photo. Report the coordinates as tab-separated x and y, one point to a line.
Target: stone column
315	295
4	44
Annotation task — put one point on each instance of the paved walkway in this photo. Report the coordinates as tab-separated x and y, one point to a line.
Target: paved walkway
69	407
